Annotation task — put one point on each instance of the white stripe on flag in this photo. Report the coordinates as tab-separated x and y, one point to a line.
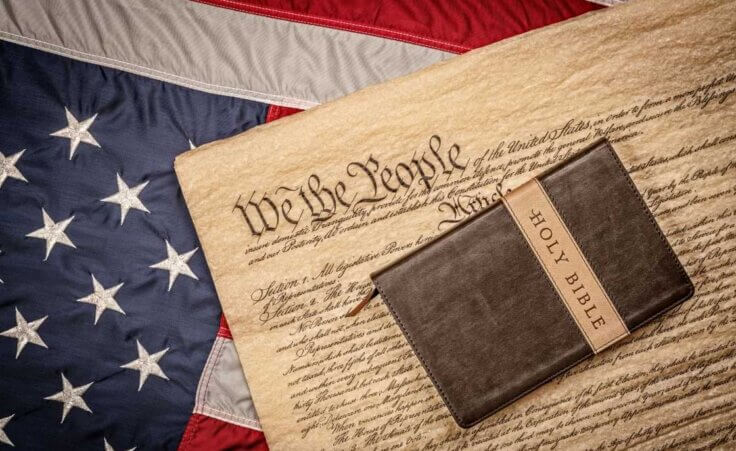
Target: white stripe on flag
223	392
213	49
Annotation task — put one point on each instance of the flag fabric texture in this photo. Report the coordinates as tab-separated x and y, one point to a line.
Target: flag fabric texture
111	334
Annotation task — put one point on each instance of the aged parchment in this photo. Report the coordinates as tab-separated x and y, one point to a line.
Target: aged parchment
294	216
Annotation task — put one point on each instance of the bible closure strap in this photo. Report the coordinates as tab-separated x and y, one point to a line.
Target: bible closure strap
564	263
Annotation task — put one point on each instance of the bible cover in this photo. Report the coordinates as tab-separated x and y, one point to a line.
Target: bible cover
567	265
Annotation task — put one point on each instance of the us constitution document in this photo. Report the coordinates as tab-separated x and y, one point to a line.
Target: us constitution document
293	216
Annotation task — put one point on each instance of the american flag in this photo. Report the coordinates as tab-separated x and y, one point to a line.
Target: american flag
111	334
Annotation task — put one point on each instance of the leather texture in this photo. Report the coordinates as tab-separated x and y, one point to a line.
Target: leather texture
483	317
565	265
616	232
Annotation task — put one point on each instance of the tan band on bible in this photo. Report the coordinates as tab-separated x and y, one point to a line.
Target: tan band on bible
565	265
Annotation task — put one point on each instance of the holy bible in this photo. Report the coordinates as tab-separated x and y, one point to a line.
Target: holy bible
566	265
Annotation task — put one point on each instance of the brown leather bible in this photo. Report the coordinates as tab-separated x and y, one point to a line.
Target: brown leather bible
568	264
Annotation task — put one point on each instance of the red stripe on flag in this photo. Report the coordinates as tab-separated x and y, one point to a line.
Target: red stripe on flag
277	112
451	25
206	433
224	330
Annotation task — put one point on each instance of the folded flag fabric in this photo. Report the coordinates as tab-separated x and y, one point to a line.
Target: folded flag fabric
111	335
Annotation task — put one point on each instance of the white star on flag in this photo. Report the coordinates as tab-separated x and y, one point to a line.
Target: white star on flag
52	232
176	264
108	447
8	169
147	364
3	437
127	198
76	132
71	397
102	298
25	332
